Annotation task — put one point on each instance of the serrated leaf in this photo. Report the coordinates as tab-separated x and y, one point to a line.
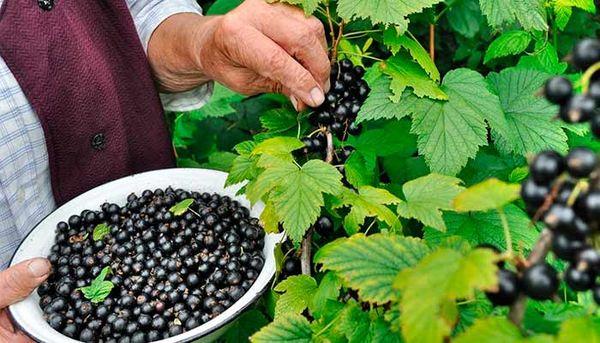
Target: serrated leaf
329	289
396	41
100	231
296	192
219	104
220	160
385	11
245	326
278	147
427	196
297	292
530	118
451	132
351	51
486	228
99	289
353	323
368	202
369	264
406	73
488	195
359	172
509	43
245	147
530	14
309	6
492	330
279	120
269	218
285	328
583	329
564	8
379	104
181	207
430	289
545	59
243	168
393	138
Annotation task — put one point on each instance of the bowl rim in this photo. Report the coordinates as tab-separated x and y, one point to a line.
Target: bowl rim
232	317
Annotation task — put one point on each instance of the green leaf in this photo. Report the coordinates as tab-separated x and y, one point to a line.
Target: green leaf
296	193
393	138
279	120
486	228
369	264
297	292
368	202
181	207
406	73
99	289
488	195
269	218
351	51
278	147
223	6
564	8
491	330
530	118
430	288
451	132
286	328
329	289
509	43
427	196
220	160
219	104
100	231
396	41
583	329
245	326
464	16
243	168
379	104
545	59
359	171
385	11
530	14
309	6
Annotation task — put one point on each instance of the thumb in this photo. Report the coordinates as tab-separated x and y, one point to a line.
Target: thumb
17	282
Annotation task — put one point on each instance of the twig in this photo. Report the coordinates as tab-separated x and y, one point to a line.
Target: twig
330	150
306	253
432	41
334	50
538	254
331	30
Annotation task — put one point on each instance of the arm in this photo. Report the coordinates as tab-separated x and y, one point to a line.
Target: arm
256	48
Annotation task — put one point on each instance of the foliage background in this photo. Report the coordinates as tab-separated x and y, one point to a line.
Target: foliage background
434	133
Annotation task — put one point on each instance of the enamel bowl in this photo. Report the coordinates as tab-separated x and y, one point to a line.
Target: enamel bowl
27	315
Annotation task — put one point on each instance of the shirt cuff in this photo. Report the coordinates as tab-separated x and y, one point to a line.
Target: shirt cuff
147	15
187	101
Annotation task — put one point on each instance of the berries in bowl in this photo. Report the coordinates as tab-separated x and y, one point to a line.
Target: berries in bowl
168	256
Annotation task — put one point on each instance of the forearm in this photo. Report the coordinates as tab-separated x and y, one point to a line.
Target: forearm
174	50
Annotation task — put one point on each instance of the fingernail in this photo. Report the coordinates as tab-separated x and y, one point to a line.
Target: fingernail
294	102
327	86
39	267
317	96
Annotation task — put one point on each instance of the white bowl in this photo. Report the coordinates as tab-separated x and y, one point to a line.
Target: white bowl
27	314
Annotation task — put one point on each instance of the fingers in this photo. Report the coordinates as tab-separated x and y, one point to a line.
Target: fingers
259	53
301	37
17	282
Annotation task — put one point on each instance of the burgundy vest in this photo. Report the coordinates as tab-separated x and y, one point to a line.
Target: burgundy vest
83	69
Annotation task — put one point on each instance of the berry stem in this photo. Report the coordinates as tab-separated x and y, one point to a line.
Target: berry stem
587	76
538	254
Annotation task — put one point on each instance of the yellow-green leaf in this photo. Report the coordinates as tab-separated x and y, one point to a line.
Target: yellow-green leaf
368	202
297	292
488	195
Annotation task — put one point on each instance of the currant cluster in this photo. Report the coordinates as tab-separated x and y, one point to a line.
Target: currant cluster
169	273
559	194
342	103
579	108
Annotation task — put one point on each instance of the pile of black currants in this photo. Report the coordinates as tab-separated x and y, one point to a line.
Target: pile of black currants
342	103
165	263
562	192
579	108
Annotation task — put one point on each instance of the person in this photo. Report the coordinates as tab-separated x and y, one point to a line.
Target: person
79	102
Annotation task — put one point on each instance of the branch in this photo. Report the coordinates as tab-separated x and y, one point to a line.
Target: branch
538	254
334	50
306	253
432	41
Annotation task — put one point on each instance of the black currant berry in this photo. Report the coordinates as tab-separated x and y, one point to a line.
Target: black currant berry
540	281
508	289
324	225
586	53
565	246
579	279
533	194
581	162
558	90
546	167
560	218
578	109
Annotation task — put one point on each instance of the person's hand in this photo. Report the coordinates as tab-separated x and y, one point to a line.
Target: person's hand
256	48
16	283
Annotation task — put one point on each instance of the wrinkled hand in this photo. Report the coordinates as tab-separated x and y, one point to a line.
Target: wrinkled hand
16	283
256	48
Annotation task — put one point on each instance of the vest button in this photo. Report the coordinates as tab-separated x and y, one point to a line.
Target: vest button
99	141
46	5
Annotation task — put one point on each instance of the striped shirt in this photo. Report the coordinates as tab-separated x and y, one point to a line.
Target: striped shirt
25	188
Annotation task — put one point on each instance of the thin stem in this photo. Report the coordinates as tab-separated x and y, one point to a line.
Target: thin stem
330	149
432	41
334	50
587	76
306	253
331	29
350	34
507	235
362	56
